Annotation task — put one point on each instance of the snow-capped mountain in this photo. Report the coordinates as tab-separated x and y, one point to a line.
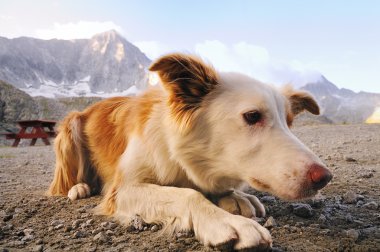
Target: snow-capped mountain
343	105
105	64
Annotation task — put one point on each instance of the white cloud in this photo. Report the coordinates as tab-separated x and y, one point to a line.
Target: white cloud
79	30
255	61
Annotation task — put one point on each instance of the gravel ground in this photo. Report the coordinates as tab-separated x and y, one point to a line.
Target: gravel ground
345	217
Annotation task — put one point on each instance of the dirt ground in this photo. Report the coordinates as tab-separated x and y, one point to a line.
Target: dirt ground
345	218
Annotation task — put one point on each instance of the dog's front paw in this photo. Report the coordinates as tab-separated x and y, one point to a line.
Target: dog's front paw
235	231
79	191
243	204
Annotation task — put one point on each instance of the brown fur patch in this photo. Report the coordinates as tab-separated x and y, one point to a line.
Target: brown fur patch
260	184
188	80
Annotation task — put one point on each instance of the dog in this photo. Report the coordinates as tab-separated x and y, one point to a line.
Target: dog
179	154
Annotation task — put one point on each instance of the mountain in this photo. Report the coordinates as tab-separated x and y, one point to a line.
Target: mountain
107	63
343	105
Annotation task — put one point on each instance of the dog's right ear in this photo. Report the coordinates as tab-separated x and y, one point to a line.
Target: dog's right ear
187	79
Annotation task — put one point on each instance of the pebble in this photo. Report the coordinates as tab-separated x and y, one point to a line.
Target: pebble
138	223
28	231
350	197
39	241
109	233
271	222
353	234
59	226
90	221
154	228
101	237
56	222
27	238
268	199
7	217
322	218
303	210
38	248
96	231
76	223
349	159
371	205
67	229
78	234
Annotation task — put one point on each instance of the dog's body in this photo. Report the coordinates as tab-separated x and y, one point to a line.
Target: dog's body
158	155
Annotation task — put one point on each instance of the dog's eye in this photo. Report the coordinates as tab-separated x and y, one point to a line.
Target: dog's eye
252	117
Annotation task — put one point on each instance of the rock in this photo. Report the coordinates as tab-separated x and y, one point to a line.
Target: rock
268	199
59	226
39	241
353	234
371	205
371	232
96	231
90	222
7	217
101	237
350	197
349	159
271	222
67	229
109	233
78	234
38	248
56	222
154	228
302	210
27	238
138	223
28	231
322	218
76	223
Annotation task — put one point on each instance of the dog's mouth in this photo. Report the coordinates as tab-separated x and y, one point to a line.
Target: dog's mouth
304	191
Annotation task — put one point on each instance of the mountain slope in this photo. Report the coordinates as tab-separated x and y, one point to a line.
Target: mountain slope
343	105
106	63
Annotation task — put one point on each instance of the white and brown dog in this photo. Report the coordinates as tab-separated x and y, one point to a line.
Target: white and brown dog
200	135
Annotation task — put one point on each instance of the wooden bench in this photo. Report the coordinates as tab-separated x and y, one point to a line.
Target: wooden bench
42	129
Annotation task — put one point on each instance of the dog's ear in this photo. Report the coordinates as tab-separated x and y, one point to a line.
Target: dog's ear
187	79
300	101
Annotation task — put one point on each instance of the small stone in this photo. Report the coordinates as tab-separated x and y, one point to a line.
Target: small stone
349	159
101	237
353	234
28	231
50	229
271	222
59	226
154	228
27	238
112	225
96	231
76	223
7	217
350	197
109	232
322	218
349	218
81	210
90	221
78	234
56	222
303	210
371	205
39	241
138	223
268	199
38	248
67	229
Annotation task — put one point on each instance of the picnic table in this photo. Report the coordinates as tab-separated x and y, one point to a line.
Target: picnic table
33	129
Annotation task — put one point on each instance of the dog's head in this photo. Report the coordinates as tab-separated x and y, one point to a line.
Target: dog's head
232	128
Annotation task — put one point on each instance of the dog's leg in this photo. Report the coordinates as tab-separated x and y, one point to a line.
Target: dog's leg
186	209
238	202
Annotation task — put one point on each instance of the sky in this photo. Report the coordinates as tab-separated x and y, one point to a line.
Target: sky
274	41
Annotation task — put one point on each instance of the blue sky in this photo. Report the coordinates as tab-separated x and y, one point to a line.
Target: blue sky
275	41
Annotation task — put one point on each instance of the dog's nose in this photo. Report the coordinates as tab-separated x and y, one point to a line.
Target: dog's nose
319	176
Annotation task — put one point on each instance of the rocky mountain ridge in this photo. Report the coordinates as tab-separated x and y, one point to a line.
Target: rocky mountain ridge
106	63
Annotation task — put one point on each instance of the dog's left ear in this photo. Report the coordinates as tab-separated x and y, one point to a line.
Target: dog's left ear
187	79
300	101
